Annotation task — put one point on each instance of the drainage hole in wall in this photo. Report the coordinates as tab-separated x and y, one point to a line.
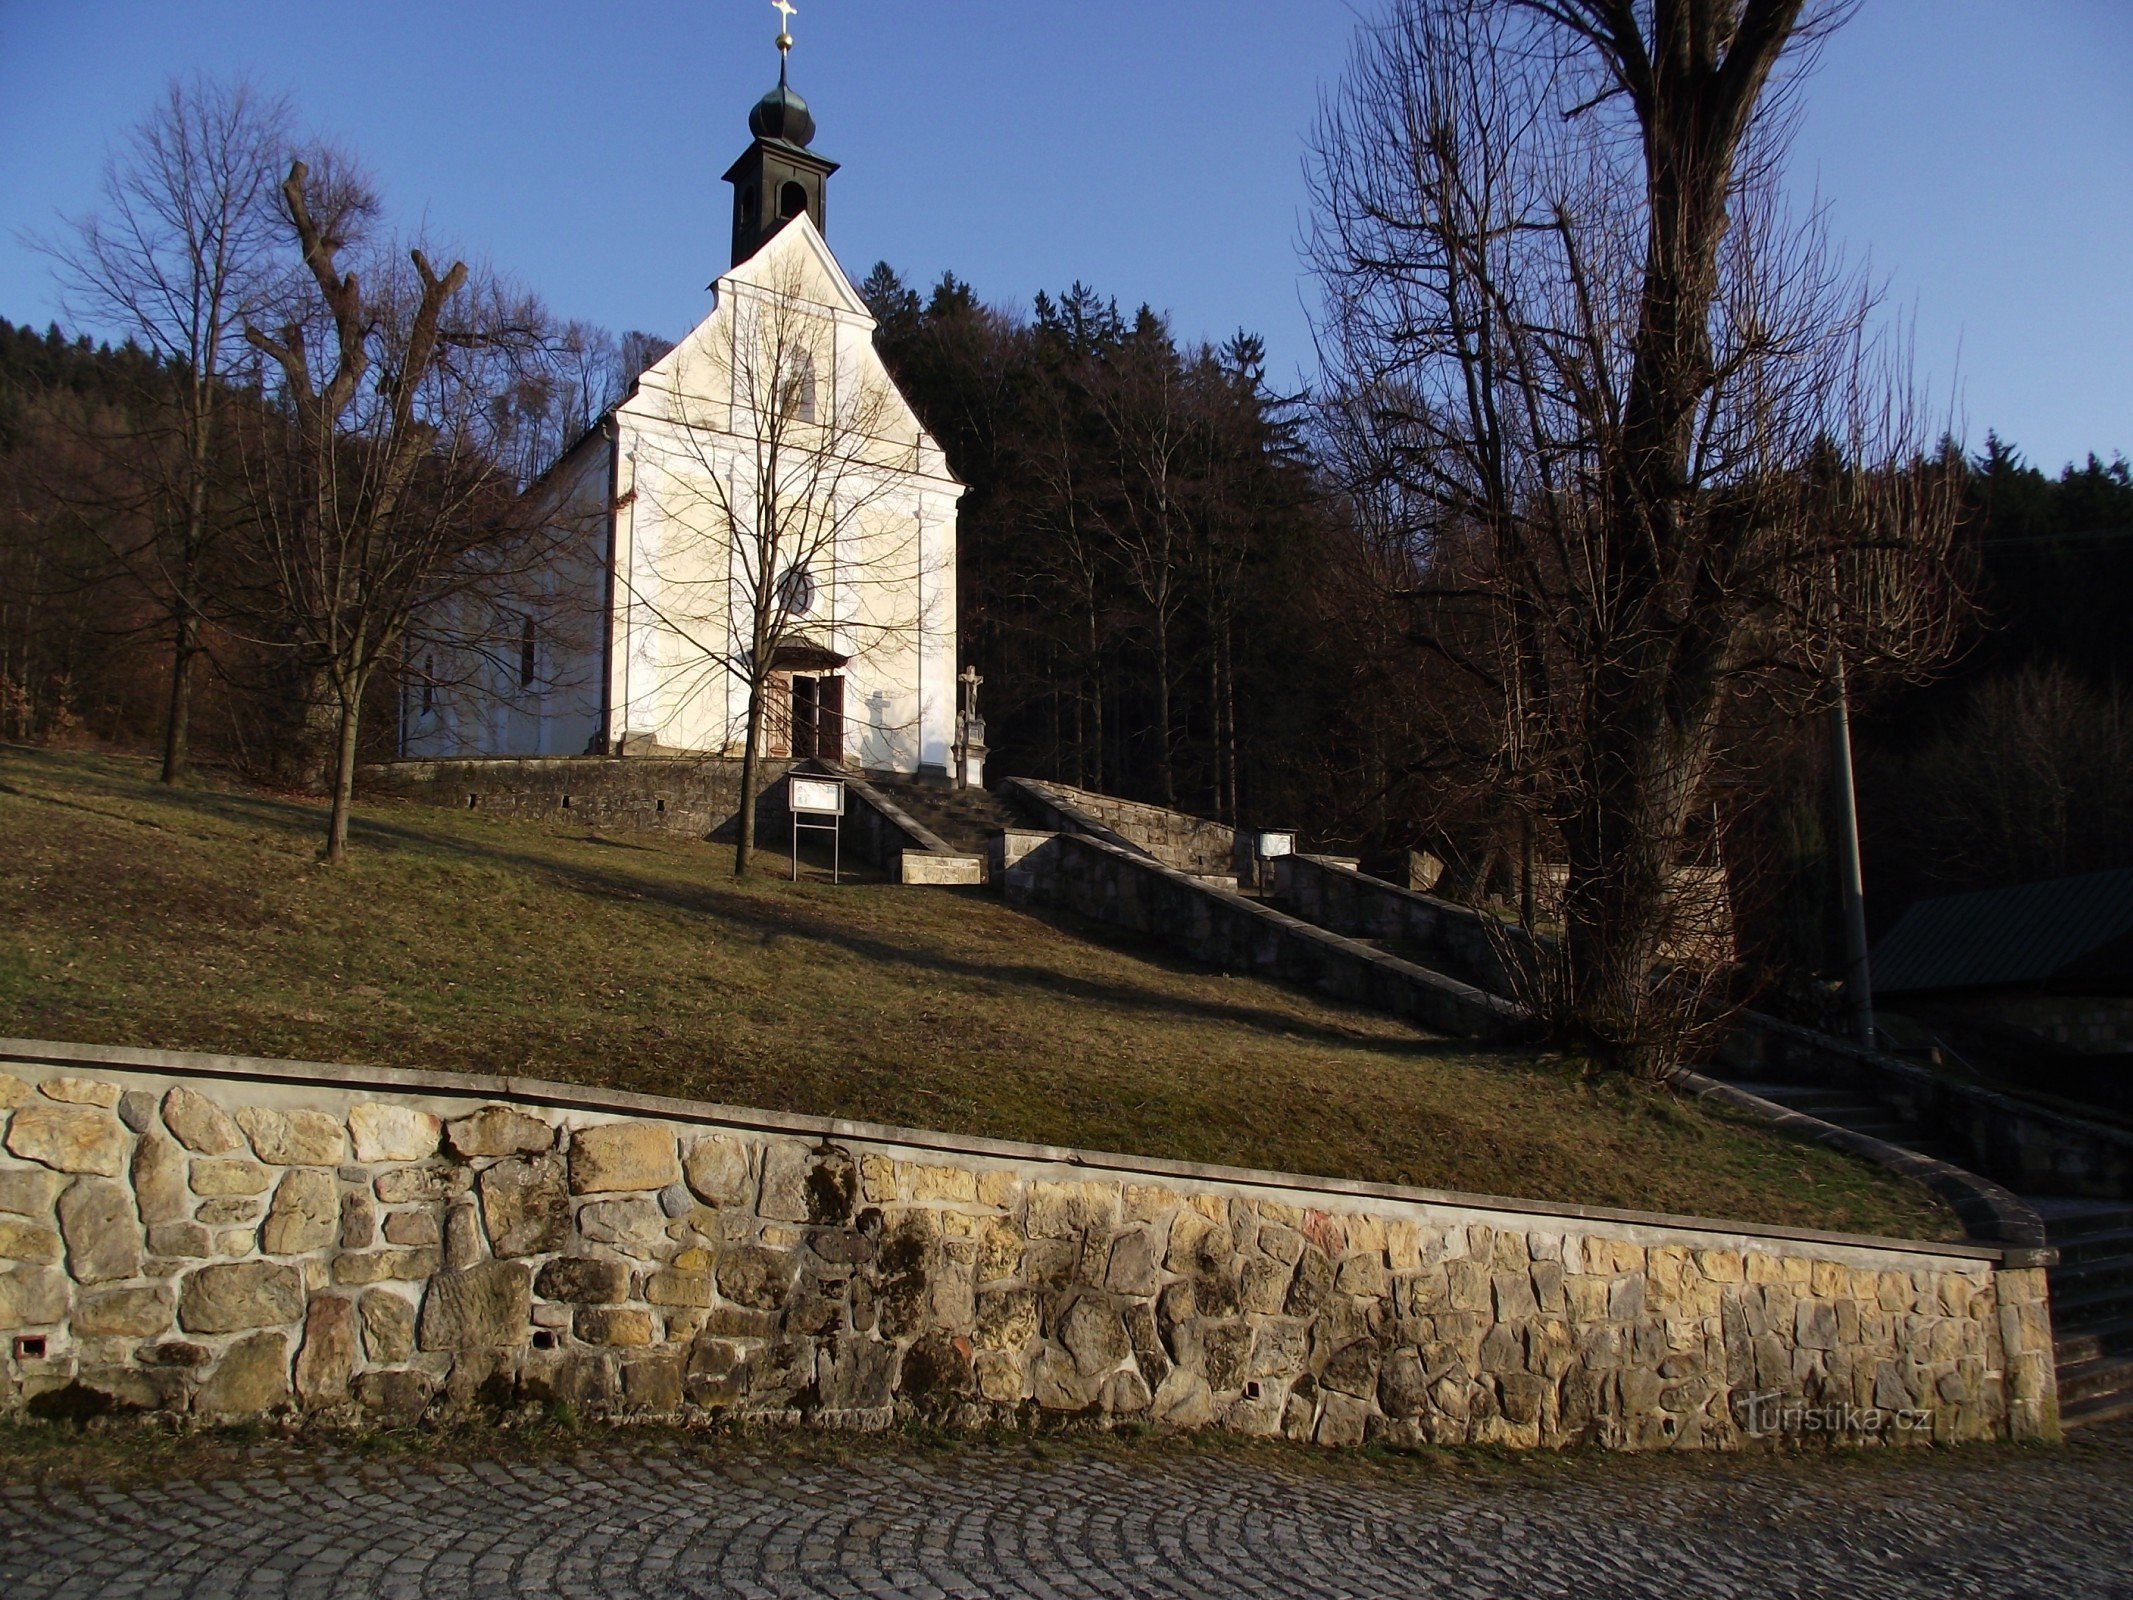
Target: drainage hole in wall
566	802
1251	1390
473	800
662	805
543	1339
29	1347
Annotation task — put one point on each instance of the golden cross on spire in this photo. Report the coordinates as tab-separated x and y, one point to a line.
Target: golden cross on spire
786	11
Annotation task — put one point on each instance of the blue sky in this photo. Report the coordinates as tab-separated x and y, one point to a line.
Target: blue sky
1978	153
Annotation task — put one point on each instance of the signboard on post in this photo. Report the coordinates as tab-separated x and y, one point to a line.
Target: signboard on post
821	802
817	797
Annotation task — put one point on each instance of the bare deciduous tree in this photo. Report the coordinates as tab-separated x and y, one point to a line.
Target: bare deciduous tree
178	257
378	479
1648	471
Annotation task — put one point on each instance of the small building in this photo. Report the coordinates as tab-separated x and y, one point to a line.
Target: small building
763	493
2050	962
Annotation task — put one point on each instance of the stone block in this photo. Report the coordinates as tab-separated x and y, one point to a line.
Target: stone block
783	1197
69	1139
102	1233
1132	1267
1006	1318
359	1220
251	1377
28	1191
679	1289
137	1313
13	1092
305	1216
222	1178
137	1109
653	1382
294	1138
1226	1355
82	1092
159	1180
28	1241
621	1157
755	1277
1515	1299
327	1359
525	1203
1361	1275
180	1239
462	1237
376	1266
411	1227
634	1226
388	1327
1000	1249
221	1213
235	1297
429	1185
499	1131
31	1297
1353	1370
1343	1422
624	1326
392	1133
1093	1336
1069	1210
397	1396
584	1280
483	1308
199	1124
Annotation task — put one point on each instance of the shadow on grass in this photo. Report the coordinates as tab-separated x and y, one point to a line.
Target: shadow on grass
297	818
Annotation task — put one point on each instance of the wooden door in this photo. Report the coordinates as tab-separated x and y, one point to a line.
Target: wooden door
829	719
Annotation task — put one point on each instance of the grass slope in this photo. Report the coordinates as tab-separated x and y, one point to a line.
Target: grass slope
202	919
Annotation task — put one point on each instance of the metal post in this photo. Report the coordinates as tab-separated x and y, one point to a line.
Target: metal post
1858	979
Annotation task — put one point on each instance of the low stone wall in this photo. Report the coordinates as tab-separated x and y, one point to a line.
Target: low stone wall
695	795
1095	878
1185	843
224	1238
1454	939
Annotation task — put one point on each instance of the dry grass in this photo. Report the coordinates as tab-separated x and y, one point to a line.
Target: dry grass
202	919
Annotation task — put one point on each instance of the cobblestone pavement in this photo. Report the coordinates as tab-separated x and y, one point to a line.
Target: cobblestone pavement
662	1521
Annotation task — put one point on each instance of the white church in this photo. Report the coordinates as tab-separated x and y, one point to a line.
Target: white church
763	494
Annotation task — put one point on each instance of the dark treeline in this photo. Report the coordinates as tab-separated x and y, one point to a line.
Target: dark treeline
1140	547
2013	765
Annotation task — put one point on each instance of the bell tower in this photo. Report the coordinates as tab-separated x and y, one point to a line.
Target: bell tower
778	177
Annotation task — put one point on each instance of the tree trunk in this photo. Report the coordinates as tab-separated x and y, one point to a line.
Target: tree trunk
344	766
751	781
1163	772
177	725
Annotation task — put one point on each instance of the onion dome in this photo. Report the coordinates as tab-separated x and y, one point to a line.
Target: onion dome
782	114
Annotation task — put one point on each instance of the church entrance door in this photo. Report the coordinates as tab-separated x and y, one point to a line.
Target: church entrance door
818	718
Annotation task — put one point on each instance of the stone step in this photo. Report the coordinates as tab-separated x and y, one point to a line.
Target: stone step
2071	1346
2082	1248
2069	1220
2092	1306
2091	1380
2072	1279
2102	1408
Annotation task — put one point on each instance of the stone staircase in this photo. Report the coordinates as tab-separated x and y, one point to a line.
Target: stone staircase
968	819
2092	1306
2091	1287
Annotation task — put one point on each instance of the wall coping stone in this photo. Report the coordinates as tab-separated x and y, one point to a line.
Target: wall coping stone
482	1088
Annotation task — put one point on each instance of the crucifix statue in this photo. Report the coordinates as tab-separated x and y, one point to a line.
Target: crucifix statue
970	679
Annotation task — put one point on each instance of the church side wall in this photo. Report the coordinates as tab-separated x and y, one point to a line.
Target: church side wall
465	697
219	1238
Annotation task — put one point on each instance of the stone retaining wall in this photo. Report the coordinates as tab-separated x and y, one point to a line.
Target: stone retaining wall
222	1238
1185	843
1451	938
695	795
1096	878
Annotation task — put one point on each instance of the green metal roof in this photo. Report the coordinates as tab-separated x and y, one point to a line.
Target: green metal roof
2063	930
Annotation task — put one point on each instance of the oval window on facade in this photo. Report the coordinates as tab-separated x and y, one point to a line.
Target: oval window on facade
796	592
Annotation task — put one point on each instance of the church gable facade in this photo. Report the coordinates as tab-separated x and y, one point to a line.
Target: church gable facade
763	512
